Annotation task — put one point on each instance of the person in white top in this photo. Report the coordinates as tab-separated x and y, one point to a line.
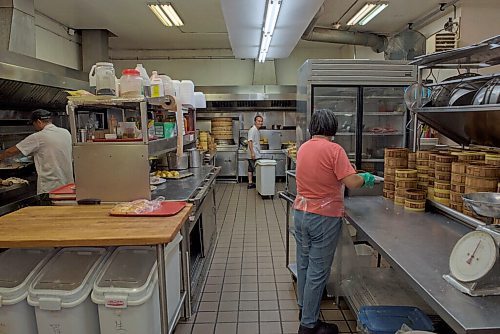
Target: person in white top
52	151
253	148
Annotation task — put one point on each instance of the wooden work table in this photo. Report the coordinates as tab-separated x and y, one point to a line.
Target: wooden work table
85	225
91	225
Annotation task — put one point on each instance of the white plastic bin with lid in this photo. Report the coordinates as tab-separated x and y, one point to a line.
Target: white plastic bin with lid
61	292
266	182
18	268
126	290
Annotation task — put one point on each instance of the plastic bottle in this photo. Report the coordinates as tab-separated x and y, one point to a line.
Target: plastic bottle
131	83
156	85
145	80
168	86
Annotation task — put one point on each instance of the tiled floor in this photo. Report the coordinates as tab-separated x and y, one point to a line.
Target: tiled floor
248	289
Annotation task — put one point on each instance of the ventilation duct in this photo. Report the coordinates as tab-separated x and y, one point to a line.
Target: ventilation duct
378	43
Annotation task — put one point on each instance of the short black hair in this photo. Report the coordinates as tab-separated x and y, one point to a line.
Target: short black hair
258	116
41	114
323	123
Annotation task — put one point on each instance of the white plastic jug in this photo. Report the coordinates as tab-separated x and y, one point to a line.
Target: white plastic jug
145	80
156	85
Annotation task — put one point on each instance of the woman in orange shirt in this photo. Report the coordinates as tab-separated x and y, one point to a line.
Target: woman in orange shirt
323	169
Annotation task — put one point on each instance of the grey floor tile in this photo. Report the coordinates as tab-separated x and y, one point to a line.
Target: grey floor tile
330	315
249	279
210	297
248	272
268	305
270	328
288	305
216	273
249	295
266	272
248	328
231	316
348	315
353	326
289	315
213	288
206	317
248	316
233	272
269	315
285	286
267	295
203	328
183	329
284	278
208	306
328	305
267	286
232	280
226	328
231	287
266	279
228	305
249	287
265	265
215	280
287	295
229	296
290	327
249	305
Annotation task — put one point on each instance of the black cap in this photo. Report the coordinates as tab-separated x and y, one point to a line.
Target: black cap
40	114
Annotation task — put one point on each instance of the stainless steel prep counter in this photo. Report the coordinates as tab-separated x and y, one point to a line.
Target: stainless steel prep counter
182	189
418	245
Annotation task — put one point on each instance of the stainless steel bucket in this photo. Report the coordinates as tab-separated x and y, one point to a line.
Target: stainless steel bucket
176	162
195	158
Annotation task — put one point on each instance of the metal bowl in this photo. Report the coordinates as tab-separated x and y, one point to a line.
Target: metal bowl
484	204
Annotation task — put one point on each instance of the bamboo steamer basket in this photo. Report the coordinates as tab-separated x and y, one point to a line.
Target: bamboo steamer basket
468	155
388	194
422	186
415	194
439	185
389	178
456	197
458	178
423	169
487	171
496	221
412	165
492	159
423	155
456	206
472	214
438	193
415	205
469	189
423	177
406	183
444	201
442	167
401	192
398	152
396	162
406	174
389	185
422	163
458	188
459	167
430	193
445	158
442	176
481	182
399	200
412	156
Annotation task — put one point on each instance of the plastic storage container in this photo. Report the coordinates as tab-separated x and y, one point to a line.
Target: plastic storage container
126	290
105	79
131	83
266	182
186	93
156	85
18	268
145	80
61	292
389	319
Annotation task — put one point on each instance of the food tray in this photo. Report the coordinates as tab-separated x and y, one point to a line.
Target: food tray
166	209
484	203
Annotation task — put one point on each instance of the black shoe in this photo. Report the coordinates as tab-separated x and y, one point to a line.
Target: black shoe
251	186
320	328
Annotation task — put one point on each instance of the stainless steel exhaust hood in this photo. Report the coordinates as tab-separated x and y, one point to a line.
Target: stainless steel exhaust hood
28	83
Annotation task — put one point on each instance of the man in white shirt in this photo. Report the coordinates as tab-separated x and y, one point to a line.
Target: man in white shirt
253	153
52	150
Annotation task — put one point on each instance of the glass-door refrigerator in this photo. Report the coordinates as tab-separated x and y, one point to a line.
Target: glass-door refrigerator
368	99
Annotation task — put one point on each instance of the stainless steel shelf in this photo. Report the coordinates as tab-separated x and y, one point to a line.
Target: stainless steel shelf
345	134
372	160
383	134
399	97
395	113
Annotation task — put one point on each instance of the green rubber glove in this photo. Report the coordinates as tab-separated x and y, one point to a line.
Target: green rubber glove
369	180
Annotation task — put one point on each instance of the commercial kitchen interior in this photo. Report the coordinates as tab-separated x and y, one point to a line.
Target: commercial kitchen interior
237	255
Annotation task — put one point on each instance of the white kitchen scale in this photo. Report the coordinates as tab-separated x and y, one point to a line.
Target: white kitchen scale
475	262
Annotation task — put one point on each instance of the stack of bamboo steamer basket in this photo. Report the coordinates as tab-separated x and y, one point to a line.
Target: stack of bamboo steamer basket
422	166
412	160
222	128
204	140
394	158
415	200
442	177
431	173
406	179
458	173
492	159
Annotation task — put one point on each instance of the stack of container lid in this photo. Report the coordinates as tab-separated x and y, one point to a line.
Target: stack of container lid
394	158
422	166
412	160
442	177
415	200
406	179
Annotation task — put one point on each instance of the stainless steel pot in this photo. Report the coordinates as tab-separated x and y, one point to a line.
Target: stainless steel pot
176	162
195	158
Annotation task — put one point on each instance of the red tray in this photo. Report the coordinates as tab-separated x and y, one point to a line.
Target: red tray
67	189
122	140
166	209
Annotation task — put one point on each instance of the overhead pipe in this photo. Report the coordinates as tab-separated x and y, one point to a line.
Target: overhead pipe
378	43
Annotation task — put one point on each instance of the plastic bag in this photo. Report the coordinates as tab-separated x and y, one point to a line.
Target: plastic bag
139	206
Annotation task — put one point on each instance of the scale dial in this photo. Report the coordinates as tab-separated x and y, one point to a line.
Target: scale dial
473	256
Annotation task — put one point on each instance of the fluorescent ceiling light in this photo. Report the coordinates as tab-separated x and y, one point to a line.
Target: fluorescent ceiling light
272	12
166	14
367	13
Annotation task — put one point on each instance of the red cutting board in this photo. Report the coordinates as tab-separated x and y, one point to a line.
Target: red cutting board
166	209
